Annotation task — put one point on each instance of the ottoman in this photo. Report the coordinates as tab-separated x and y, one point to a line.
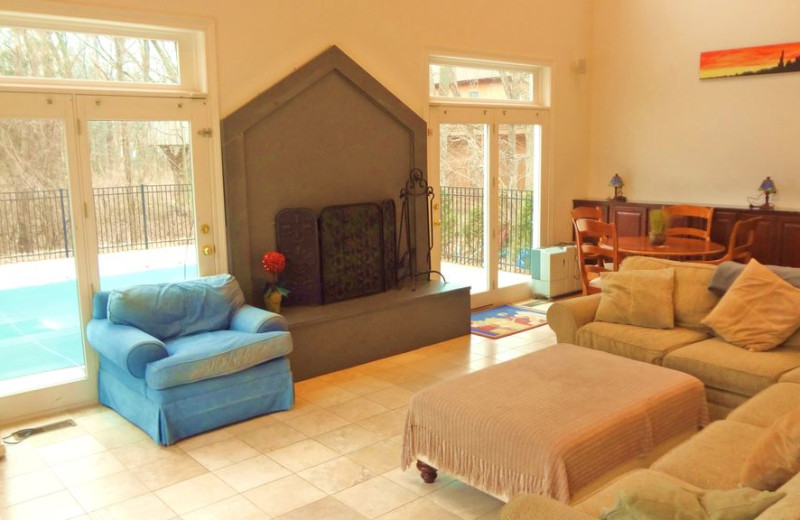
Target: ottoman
549	422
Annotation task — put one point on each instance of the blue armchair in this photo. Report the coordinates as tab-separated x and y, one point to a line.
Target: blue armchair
178	359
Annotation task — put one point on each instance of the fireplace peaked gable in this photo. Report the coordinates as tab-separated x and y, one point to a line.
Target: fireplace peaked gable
328	134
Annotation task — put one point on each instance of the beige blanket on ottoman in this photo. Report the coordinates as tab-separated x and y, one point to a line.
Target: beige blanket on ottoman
551	421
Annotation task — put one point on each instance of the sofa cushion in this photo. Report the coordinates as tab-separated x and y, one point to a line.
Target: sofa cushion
792	376
789	505
642	344
606	496
721	365
714	457
776	456
768	405
759	311
727	272
692	299
738	504
168	310
211	354
641	297
662	501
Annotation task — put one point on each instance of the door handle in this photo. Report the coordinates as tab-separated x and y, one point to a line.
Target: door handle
437	222
208	250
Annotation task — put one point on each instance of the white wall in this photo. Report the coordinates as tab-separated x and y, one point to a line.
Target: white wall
259	42
673	137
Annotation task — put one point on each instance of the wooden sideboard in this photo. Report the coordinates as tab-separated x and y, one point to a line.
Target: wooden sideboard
777	237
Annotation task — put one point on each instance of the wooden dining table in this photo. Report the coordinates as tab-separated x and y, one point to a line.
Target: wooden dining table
674	246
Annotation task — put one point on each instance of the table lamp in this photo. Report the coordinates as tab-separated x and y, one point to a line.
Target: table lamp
768	187
616	182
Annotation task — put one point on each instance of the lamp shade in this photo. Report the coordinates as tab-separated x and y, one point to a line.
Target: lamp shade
616	181
768	186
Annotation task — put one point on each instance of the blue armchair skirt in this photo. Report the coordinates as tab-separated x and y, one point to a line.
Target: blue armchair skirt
182	411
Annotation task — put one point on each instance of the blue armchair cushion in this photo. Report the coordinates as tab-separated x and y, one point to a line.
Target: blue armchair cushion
171	309
211	354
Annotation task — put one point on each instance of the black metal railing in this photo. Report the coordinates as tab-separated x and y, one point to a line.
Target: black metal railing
462	227
36	225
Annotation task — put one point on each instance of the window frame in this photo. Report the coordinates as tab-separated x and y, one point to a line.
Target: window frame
541	83
191	53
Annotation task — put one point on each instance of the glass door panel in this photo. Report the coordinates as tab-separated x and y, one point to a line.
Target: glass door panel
519	147
463	170
144	209
40	325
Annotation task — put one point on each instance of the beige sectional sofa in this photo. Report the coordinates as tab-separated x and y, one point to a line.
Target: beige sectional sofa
731	374
711	459
747	391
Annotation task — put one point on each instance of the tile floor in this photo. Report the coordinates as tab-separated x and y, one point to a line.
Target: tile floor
335	456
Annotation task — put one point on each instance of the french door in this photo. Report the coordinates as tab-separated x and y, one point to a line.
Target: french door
487	165
96	192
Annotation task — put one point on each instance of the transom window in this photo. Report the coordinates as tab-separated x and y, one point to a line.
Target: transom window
464	80
47	50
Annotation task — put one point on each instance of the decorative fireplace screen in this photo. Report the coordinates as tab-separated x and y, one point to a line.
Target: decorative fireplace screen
353	255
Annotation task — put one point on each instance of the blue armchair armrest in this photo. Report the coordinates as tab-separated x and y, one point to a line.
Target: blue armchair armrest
127	347
252	319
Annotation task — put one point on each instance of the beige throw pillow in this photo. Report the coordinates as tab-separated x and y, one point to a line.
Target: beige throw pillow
759	312
776	456
642	298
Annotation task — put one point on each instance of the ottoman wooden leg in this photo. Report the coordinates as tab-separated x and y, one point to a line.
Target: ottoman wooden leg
427	472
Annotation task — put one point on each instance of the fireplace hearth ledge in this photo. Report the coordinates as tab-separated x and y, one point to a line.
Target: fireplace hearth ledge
340	335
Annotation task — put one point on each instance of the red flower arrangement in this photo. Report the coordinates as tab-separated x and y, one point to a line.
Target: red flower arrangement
274	263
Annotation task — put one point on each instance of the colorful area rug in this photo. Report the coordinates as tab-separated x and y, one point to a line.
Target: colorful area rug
505	320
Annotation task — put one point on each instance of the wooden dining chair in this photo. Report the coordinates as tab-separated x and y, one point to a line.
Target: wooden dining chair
740	242
685	214
598	251
590	212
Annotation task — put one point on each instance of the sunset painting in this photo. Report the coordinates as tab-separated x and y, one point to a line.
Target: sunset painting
749	61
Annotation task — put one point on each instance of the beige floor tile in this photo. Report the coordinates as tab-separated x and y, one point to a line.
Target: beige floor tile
119	435
204	439
252	473
336	475
357	409
392	397
223	453
272	437
249	425
233	508
144	507
144	452
55	436
88	468
329	396
412	357
97	418
302	388
316	422
195	493
454	372
420	508
167	471
464	501
303	454
420	383
28	486
491	515
397	375
326	509
364	384
375	497
301	407
70	449
284	495
386	424
56	506
379	457
411	480
349	438
20	459
107	491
